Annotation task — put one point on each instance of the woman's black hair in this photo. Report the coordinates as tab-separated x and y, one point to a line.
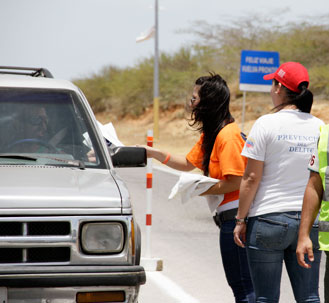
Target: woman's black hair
212	113
302	100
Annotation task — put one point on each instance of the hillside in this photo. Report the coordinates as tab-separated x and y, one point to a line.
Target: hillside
175	134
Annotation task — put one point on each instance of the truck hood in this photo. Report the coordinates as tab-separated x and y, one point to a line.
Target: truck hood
62	190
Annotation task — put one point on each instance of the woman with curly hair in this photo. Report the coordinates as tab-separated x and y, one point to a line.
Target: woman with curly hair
218	155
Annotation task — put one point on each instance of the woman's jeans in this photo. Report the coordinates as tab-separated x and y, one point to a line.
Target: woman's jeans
272	238
235	265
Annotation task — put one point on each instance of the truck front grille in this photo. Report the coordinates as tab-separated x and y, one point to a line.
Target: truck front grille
34	255
34	228
53	240
31	241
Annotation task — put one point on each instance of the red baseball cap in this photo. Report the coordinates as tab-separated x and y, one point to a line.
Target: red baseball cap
290	74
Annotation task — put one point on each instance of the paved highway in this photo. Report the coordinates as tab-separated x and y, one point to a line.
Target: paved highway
186	239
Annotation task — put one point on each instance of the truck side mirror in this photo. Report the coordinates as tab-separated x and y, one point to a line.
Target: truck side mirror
127	156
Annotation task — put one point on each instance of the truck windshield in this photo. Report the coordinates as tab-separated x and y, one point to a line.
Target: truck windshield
50	126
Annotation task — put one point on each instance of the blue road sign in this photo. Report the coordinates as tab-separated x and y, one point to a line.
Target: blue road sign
254	65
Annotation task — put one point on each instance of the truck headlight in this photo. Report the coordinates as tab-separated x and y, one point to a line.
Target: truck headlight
101	237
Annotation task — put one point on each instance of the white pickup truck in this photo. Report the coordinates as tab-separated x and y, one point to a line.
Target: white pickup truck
67	230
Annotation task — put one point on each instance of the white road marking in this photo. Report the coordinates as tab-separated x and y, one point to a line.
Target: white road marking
170	287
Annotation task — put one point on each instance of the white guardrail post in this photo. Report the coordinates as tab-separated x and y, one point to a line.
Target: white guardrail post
148	262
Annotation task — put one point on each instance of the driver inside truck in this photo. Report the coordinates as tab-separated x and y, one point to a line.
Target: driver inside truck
37	123
34	134
32	130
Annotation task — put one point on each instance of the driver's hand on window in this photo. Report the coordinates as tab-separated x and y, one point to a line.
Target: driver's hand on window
91	156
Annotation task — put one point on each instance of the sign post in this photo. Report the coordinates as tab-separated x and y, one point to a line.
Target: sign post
156	75
254	65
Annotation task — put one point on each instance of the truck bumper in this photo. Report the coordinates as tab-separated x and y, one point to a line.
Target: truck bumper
63	294
73	276
62	284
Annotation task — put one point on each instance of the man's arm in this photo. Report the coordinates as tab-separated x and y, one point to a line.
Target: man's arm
311	207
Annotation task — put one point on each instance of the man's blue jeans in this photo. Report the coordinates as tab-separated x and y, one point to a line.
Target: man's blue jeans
272	238
235	265
326	280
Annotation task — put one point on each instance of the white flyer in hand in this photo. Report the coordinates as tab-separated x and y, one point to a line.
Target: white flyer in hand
191	185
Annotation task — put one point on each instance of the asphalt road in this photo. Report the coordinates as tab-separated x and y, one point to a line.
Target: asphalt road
185	238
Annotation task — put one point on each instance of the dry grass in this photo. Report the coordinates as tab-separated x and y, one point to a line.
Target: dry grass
176	136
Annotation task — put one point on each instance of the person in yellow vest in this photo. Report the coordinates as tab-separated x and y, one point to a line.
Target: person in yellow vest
316	196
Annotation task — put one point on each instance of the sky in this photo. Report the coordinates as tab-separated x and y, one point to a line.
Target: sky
77	38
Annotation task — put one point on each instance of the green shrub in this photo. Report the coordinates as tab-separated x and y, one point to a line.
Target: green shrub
217	48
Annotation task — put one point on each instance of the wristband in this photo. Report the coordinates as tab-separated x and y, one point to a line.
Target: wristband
240	221
167	159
